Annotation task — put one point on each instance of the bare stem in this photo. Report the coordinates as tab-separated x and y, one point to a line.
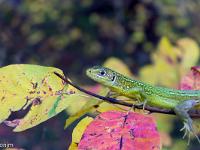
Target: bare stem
193	113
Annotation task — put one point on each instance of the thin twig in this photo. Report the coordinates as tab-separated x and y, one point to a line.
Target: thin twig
193	113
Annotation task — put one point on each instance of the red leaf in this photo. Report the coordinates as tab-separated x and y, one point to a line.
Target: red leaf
117	130
192	80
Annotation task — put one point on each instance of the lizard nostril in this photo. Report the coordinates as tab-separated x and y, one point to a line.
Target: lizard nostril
89	71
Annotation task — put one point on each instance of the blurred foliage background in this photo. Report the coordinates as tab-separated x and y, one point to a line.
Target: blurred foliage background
73	35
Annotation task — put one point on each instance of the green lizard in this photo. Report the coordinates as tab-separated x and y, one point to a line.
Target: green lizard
180	101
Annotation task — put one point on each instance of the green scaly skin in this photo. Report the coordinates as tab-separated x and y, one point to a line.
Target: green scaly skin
181	101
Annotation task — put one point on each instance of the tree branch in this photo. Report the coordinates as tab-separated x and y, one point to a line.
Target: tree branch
192	113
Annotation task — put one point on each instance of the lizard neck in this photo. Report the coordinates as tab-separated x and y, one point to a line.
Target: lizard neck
124	83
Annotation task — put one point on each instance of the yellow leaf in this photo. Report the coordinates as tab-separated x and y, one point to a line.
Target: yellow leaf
165	51
148	74
117	65
170	62
38	86
167	74
189	52
103	107
85	105
78	132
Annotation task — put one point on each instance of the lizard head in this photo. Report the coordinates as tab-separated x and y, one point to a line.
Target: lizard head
102	75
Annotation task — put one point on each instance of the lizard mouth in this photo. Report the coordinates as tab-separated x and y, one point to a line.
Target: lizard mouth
91	74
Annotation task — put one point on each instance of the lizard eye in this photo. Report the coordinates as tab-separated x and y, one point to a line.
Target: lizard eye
102	73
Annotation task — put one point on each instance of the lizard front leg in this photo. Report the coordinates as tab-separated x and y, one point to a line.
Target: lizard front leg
112	94
181	110
139	94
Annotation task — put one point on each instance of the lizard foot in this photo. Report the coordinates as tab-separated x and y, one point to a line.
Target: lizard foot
141	105
188	130
181	110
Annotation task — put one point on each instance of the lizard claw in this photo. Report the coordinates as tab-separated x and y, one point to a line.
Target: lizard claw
182	111
188	130
141	105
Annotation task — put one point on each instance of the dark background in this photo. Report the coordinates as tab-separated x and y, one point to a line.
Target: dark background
73	35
